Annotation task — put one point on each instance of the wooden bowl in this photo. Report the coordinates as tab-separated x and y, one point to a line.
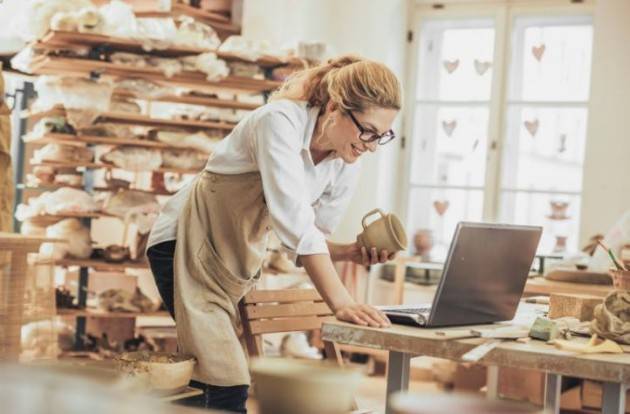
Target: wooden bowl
163	373
289	386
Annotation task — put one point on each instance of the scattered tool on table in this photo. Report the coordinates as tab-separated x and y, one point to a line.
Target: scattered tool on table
497	336
593	346
618	264
539	300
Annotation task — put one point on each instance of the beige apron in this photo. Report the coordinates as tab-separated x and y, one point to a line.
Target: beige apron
221	242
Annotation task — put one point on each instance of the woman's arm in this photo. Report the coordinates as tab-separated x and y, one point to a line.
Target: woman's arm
353	252
323	274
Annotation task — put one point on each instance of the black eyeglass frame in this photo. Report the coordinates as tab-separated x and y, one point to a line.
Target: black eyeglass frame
382	139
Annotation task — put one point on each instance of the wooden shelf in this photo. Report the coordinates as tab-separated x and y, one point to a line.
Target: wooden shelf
54	65
95	264
157	193
93	165
192	100
48	187
70	215
59	39
104	314
83	140
53	187
136	119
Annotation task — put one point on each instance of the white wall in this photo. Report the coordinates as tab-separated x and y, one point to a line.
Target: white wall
607	164
371	28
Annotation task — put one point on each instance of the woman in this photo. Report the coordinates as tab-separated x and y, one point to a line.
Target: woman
289	166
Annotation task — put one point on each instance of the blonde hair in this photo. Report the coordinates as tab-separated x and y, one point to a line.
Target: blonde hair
351	82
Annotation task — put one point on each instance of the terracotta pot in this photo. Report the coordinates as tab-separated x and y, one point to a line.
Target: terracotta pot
621	279
423	242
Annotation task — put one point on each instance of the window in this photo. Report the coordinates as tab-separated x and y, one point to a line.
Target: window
538	118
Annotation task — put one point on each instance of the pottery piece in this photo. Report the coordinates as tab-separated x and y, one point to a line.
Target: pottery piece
385	233
288	386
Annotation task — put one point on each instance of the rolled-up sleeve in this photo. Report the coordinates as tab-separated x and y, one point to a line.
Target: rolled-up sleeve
333	203
277	149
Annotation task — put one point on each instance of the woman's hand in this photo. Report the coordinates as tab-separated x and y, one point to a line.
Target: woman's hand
360	255
362	314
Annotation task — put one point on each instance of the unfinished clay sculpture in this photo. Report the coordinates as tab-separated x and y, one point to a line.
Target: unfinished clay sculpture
612	318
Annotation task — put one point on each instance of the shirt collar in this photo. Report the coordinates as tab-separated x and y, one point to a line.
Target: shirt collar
312	114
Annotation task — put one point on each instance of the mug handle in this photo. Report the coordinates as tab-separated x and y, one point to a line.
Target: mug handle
376	210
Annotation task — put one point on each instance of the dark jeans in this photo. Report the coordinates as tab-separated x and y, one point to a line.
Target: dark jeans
219	398
161	257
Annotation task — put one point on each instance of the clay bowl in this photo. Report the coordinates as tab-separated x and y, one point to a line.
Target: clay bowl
621	279
162	373
289	386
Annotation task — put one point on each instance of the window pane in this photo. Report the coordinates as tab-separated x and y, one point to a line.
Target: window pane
558	214
450	145
544	148
455	60
554	61
439	210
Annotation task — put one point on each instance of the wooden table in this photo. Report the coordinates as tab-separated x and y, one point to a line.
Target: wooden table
405	342
13	281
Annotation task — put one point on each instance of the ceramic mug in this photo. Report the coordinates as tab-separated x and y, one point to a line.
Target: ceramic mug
384	233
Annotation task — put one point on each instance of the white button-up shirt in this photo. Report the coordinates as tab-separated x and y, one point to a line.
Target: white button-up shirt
305	201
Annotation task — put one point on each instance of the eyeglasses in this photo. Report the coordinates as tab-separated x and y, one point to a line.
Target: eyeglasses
369	136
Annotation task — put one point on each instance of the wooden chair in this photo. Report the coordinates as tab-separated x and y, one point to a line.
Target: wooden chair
287	310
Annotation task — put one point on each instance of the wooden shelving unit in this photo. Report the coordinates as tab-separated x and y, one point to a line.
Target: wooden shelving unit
200	92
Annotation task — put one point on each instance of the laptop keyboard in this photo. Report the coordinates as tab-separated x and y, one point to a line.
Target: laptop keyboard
426	309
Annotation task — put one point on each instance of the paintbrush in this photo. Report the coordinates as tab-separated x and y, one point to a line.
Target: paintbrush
616	261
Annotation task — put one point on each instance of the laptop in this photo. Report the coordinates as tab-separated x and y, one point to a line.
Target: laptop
483	278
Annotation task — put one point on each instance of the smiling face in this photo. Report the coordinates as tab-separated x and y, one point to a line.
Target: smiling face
342	133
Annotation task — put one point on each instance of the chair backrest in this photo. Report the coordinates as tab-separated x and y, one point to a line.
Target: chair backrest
287	310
